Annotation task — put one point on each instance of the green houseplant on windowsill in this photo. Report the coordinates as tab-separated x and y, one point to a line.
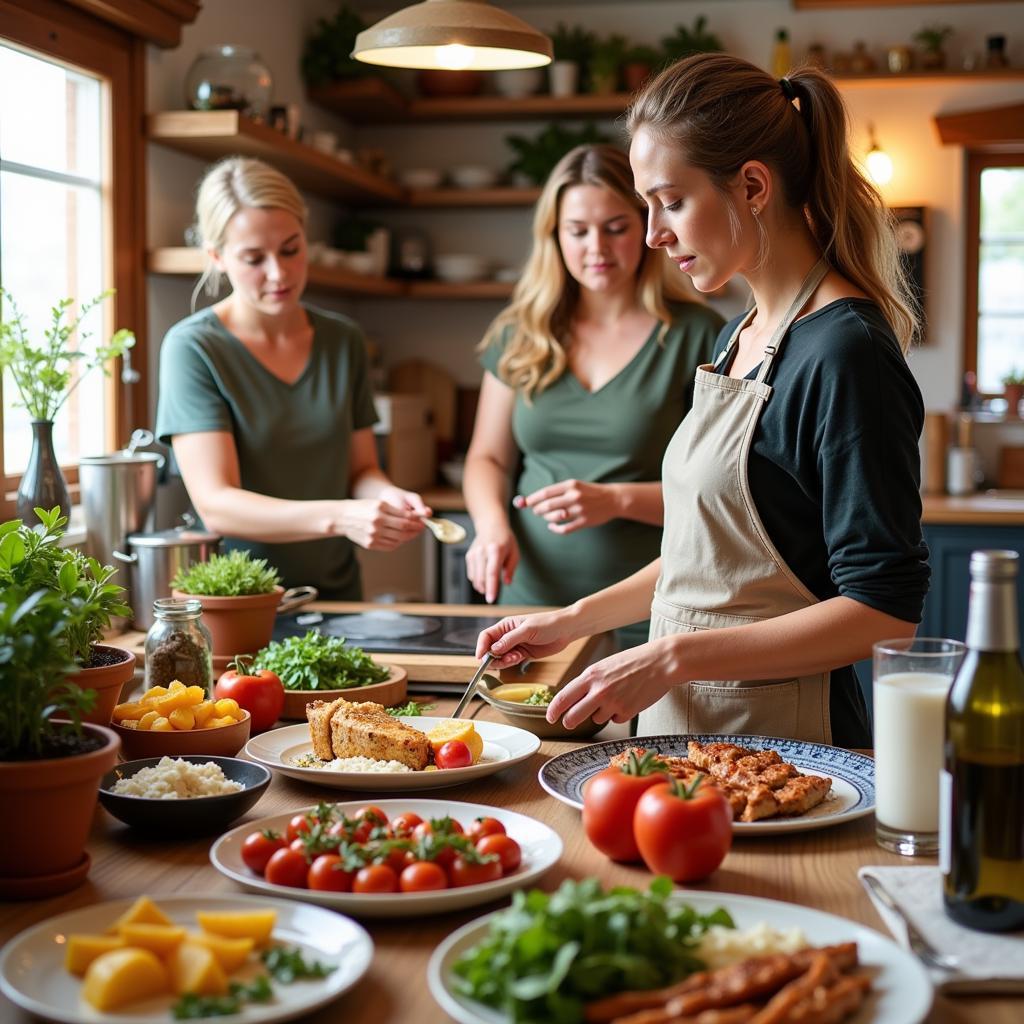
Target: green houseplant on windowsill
45	374
1013	390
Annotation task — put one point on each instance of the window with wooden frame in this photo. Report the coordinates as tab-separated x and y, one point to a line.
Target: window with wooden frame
72	179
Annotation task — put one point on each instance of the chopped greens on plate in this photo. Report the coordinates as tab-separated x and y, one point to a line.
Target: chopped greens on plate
318	662
549	954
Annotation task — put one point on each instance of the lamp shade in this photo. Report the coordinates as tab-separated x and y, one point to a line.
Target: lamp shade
455	35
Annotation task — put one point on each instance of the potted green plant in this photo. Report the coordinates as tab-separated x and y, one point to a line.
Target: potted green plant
685	41
572	47
239	594
536	157
327	54
605	64
50	764
45	374
932	39
638	64
33	560
1013	391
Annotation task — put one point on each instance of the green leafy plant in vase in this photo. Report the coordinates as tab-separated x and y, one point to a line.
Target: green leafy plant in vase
685	41
932	40
572	46
327	54
638	64
536	157
605	64
45	374
1013	390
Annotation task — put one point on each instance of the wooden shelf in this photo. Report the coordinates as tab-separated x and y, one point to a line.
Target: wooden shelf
928	77
212	134
447	290
465	197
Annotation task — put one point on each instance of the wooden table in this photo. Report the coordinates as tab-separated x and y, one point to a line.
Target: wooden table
815	869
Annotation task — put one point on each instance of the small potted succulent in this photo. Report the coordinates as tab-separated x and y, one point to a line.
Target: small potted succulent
32	560
240	597
638	64
605	64
572	48
1013	391
932	40
50	764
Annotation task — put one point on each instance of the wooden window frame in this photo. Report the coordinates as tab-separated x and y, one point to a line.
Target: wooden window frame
68	35
977	162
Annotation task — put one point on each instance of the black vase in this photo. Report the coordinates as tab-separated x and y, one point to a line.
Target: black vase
42	483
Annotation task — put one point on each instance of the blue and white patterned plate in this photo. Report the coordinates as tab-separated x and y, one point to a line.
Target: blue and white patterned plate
853	776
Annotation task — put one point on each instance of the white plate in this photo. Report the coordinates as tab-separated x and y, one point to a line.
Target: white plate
902	992
504	745
853	776
32	970
540	845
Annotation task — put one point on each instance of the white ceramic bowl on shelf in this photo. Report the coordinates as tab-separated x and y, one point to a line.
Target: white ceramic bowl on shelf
473	176
460	268
421	177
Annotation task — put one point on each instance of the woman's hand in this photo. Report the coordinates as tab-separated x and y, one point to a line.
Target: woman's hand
572	505
377	525
520	638
405	500
491	560
621	686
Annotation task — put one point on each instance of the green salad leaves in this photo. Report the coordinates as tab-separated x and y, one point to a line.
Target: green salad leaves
549	954
318	662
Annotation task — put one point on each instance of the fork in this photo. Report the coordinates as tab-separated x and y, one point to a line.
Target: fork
919	945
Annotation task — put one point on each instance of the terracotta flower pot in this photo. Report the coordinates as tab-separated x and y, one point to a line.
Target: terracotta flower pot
634	74
1013	393
52	802
238	625
106	679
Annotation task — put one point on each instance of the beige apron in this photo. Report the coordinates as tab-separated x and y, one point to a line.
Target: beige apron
718	566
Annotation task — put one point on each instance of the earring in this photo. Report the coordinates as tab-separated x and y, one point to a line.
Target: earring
755	210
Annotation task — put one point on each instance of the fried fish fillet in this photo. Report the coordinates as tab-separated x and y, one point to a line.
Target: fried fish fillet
366	730
318	714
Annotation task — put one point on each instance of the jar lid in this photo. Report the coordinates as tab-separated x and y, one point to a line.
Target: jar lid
174	538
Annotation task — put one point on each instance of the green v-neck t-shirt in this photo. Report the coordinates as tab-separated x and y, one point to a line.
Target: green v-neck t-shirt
293	440
616	434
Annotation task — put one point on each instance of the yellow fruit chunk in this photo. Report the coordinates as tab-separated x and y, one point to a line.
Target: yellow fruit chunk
161	725
238	924
226	706
219	723
147	720
83	949
194	968
456	729
203	713
176	686
182	718
155	691
142	911
230	953
123	976
157	938
131	709
177	699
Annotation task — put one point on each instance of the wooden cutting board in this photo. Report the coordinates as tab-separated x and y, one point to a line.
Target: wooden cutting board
419	377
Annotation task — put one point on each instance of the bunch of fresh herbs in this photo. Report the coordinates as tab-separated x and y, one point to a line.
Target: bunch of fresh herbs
409	710
318	662
232	575
549	954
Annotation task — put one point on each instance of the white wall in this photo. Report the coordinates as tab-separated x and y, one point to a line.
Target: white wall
925	172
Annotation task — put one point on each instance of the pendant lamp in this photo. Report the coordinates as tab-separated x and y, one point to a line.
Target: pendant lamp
453	35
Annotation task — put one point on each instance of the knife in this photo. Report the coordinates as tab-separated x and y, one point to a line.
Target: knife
471	689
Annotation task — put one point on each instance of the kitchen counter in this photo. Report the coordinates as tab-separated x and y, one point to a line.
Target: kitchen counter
814	869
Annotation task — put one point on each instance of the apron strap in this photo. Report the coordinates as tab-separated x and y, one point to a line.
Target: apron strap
807	289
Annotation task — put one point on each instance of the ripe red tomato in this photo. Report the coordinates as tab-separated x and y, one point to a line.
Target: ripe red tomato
298	825
453	754
325	874
422	876
258	691
480	827
373	813
403	824
375	878
505	847
259	847
609	800
683	832
287	867
463	872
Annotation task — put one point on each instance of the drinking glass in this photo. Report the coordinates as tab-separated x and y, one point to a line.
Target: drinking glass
911	679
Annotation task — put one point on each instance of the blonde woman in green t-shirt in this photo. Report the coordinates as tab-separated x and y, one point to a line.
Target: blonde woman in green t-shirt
588	373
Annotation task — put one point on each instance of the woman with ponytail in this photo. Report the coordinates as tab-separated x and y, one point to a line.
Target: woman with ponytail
792	534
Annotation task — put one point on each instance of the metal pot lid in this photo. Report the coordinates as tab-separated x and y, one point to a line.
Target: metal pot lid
177	537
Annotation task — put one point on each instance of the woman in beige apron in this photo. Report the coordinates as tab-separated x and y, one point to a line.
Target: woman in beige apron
738	180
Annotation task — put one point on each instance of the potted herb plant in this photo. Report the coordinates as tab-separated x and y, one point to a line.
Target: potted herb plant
240	596
50	764
327	55
45	374
536	157
605	64
33	560
932	39
685	41
638	64
1013	391
572	47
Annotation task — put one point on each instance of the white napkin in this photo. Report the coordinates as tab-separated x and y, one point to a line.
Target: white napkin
989	962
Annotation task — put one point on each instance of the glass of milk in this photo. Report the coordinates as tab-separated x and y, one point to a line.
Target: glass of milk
911	679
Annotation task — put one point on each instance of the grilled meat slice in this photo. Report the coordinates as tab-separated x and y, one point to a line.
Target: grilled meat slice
367	730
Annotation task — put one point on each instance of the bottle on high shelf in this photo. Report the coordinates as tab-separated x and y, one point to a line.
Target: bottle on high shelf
982	799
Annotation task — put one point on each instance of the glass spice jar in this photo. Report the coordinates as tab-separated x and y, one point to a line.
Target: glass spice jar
178	645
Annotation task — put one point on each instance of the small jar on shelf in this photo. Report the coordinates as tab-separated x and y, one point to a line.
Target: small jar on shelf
178	645
228	77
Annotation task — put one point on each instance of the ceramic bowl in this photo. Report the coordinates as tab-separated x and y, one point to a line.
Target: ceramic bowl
361	262
224	741
472	176
392	690
531	717
188	816
421	177
460	268
453	470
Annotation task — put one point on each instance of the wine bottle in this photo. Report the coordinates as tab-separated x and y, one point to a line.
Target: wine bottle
982	800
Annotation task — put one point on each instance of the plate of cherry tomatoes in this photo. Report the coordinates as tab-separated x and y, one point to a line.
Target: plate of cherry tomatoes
391	858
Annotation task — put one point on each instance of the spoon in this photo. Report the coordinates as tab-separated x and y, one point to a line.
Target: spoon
445	530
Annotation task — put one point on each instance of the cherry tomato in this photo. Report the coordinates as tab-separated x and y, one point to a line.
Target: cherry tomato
287	867
399	859
375	878
298	825
453	754
403	824
298	845
446	855
258	691
340	830
463	872
609	800
326	875
505	847
480	827
373	812
259	847
422	876
683	832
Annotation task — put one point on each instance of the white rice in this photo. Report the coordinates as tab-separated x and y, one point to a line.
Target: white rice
350	764
174	779
721	947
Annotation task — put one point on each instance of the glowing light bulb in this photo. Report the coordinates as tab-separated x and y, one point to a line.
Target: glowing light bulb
454	56
879	166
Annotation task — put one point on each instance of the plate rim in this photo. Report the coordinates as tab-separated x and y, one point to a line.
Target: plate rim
773	826
327	994
459	1012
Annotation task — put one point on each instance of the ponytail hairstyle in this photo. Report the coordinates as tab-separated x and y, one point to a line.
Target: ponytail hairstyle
536	325
229	186
723	111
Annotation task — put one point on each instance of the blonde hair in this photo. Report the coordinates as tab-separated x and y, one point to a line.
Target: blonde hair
234	184
723	111
537	322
